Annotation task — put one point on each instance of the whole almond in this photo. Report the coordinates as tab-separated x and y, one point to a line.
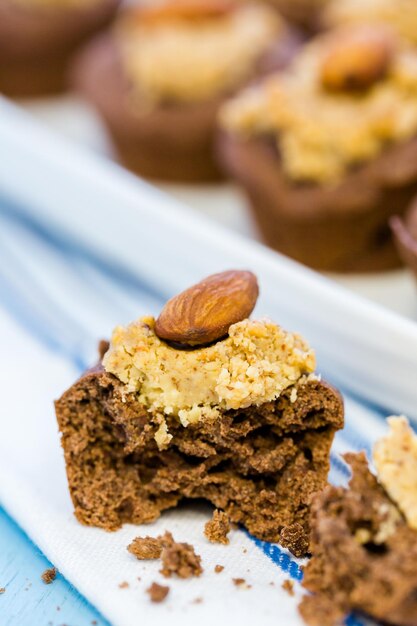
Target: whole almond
185	10
204	313
357	59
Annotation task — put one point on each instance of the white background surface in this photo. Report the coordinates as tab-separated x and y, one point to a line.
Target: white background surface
223	203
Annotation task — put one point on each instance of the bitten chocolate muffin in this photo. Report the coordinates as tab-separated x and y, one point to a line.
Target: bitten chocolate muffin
38	37
203	403
404	230
159	78
364	539
327	151
400	15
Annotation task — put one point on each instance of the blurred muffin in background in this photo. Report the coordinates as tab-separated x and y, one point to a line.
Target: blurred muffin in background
400	15
305	14
327	150
159	78
38	37
405	236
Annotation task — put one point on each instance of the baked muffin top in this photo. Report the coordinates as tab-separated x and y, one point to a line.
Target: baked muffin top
347	96
401	15
252	365
193	50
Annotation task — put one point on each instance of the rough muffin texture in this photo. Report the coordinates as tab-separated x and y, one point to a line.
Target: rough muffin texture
364	554
260	464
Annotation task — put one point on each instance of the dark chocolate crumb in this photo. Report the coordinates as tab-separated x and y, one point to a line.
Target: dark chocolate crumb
146	548
288	586
157	593
49	575
219	568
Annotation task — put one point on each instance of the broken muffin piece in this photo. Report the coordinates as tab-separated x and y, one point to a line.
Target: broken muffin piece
364	552
242	421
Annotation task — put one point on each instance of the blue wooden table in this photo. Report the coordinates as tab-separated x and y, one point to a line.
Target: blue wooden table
28	601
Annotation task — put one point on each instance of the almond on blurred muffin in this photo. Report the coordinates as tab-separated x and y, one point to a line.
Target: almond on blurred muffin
160	76
327	150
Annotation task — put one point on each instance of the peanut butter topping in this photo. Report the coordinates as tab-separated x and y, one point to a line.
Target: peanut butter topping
395	459
321	133
400	15
253	365
186	60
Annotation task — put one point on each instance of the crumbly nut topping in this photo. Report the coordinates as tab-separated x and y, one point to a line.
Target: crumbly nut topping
395	459
253	365
321	134
401	15
192	61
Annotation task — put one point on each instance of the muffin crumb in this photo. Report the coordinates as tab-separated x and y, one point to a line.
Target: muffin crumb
395	460
49	575
217	529
123	585
179	559
145	548
219	568
2	590
294	538
241	583
198	600
288	586
157	592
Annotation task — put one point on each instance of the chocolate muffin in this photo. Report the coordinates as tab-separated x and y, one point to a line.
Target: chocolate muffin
405	236
202	403
38	37
159	78
327	150
304	14
364	538
400	15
